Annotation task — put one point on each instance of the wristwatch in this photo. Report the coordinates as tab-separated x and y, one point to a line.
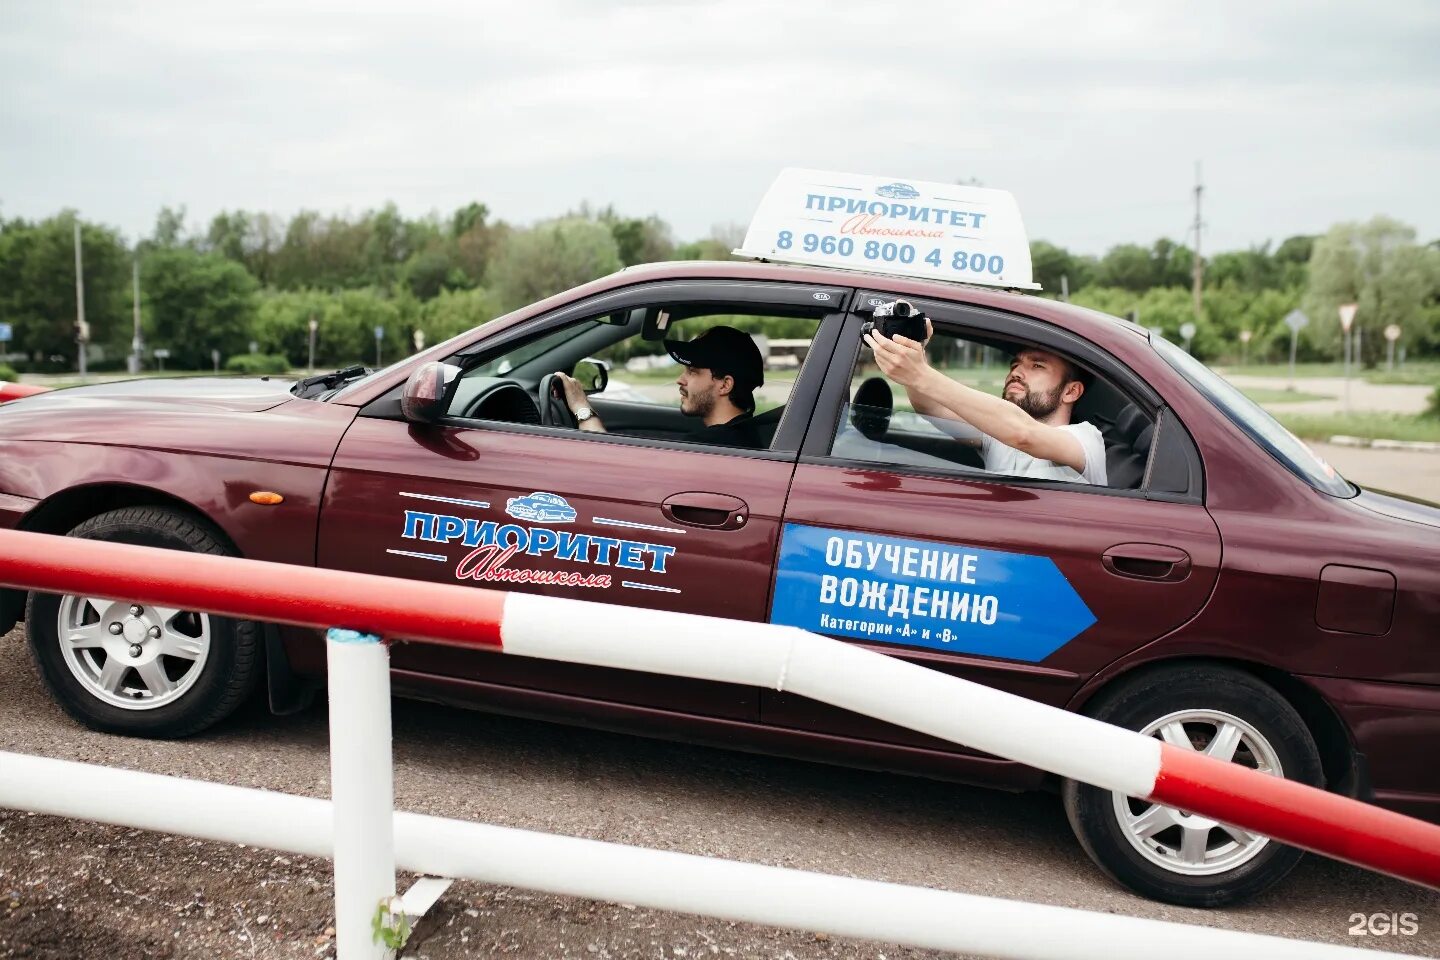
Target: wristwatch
583	414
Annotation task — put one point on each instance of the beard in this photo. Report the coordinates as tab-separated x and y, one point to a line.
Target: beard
1038	403
697	404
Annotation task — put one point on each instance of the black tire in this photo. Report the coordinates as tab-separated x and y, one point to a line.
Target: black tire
232	659
1142	701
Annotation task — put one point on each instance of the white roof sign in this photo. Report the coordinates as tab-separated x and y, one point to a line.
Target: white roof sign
937	231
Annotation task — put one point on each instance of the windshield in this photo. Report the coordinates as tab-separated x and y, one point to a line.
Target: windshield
514	359
1248	416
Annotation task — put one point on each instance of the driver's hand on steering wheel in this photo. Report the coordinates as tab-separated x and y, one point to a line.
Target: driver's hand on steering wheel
575	399
574	393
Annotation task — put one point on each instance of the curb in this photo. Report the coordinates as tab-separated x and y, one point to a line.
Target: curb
1416	446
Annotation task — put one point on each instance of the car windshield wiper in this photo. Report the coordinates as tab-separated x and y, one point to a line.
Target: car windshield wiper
313	386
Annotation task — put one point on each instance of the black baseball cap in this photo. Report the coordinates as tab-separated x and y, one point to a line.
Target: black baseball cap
725	352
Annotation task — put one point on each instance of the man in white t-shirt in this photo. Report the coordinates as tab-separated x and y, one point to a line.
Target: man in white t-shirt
1025	432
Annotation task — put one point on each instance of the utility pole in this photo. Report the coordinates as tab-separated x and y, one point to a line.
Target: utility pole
137	345
1198	269
82	329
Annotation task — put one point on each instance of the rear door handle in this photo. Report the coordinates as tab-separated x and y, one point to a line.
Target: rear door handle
716	511
1147	561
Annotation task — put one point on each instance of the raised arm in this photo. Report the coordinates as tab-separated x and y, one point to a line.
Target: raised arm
903	361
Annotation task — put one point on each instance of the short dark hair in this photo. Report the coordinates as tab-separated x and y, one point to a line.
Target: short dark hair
742	394
1073	371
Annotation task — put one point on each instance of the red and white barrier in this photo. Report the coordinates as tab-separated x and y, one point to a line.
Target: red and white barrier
664	880
782	658
14	391
785	658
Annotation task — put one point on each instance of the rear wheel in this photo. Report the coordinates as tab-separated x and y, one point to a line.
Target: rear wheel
133	668
1175	855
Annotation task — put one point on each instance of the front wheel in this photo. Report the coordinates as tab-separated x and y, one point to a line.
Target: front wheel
1174	855
133	668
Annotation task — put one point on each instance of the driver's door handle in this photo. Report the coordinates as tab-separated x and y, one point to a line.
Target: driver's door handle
1147	561
716	511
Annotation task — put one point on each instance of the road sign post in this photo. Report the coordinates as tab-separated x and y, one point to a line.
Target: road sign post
1392	333
1296	321
1244	346
379	335
314	325
215	359
1347	317
161	355
1187	330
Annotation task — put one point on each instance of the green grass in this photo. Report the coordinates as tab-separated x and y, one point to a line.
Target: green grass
1420	372
1387	426
1262	395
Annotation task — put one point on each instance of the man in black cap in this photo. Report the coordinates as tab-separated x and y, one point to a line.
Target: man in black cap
722	369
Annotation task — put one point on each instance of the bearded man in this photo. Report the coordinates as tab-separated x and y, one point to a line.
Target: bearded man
1024	432
721	370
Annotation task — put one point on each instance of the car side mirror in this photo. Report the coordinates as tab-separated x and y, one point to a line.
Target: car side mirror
593	375
426	392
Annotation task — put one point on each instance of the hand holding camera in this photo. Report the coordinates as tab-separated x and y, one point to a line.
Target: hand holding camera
897	317
903	361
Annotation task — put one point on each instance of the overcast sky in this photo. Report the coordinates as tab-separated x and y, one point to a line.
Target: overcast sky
1093	114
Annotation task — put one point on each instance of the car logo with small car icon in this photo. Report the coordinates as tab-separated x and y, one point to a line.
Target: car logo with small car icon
897	191
540	508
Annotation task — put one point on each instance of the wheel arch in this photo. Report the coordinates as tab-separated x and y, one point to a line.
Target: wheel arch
64	511
1342	763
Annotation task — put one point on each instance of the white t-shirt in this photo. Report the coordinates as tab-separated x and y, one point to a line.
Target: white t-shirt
1007	460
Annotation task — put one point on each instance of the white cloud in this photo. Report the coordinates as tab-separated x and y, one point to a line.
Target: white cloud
1092	114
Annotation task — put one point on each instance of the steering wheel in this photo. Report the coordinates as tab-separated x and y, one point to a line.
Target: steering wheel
872	408
554	411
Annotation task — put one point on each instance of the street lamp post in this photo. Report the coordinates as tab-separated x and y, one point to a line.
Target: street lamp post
82	329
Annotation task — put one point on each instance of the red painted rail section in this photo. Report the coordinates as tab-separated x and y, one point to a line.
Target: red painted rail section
757	654
14	391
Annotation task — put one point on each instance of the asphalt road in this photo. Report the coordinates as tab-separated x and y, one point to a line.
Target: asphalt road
582	783
1413	473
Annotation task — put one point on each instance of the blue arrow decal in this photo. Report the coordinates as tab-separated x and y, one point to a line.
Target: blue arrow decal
919	593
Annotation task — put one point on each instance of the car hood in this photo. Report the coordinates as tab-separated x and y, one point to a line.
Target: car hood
251	418
1400	508
222	393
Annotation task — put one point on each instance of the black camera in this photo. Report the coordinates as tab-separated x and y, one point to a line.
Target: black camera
898	317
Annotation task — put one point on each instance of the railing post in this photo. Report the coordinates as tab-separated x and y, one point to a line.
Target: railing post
362	787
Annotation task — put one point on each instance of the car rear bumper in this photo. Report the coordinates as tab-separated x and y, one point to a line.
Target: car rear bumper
1395	727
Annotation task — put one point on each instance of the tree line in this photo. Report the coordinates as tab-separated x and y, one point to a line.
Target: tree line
254	278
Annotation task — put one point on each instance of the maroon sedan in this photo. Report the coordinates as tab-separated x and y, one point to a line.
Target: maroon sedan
1222	588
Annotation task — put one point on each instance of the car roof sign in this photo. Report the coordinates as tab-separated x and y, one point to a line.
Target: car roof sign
913	228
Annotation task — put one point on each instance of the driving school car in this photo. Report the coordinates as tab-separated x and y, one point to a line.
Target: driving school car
1223	589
